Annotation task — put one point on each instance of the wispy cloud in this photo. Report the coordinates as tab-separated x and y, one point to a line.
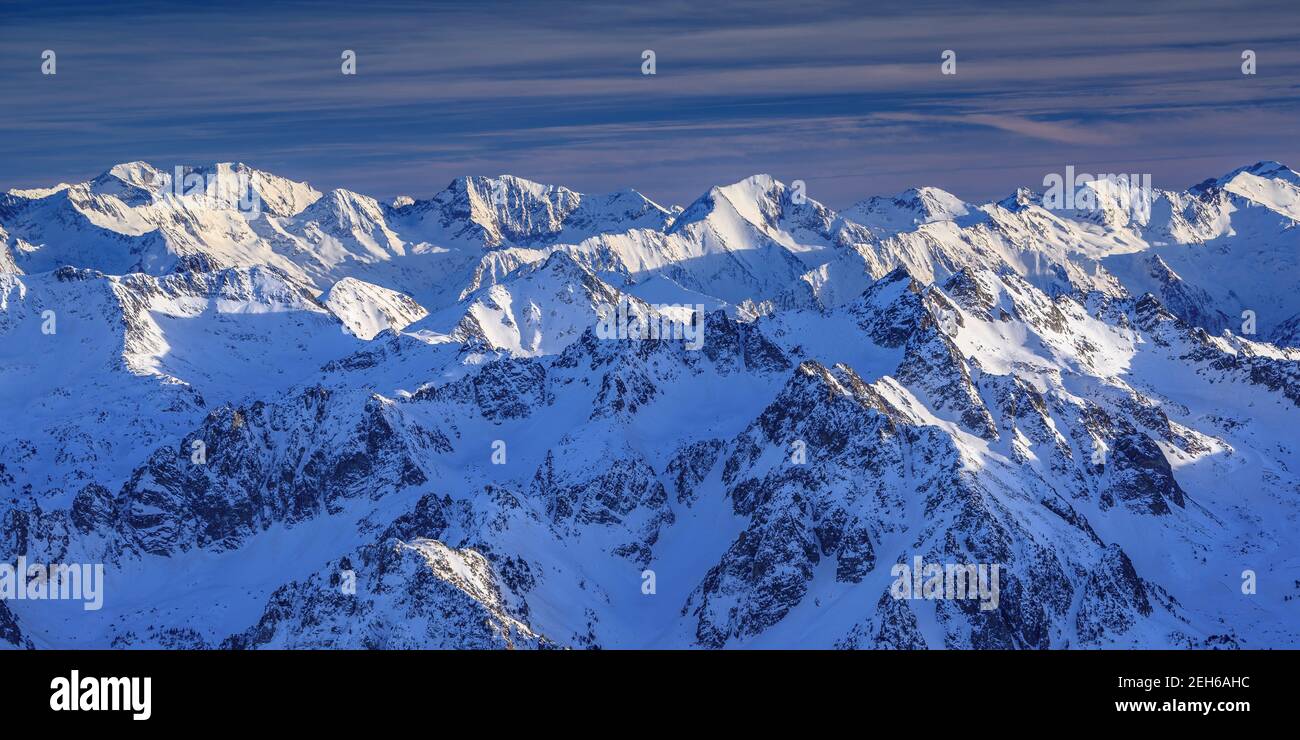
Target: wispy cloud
847	98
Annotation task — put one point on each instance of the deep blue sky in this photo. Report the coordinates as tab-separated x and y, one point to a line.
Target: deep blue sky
846	96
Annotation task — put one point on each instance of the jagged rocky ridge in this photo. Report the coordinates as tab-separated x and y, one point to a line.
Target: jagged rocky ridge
413	434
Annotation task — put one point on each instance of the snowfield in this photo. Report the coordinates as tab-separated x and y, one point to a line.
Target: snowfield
412	435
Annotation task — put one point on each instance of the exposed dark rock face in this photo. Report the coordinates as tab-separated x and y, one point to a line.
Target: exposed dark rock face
405	590
628	496
503	390
10	634
1114	596
250	467
948	385
690	466
891	627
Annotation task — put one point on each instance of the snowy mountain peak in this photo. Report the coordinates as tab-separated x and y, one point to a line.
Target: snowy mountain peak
279	196
1269	184
760	203
1053	392
1267	169
139	174
366	309
505	211
886	215
345	210
1019	200
756	199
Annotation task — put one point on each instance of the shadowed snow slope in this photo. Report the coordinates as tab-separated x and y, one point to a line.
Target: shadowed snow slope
334	422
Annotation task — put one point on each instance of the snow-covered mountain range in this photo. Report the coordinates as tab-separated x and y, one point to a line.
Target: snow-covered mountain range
337	422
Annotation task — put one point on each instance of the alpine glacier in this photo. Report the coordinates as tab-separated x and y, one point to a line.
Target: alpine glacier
335	422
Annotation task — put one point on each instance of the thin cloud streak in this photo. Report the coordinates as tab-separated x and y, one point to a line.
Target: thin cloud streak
846	98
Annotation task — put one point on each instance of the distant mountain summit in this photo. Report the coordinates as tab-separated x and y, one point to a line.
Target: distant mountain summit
289	418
